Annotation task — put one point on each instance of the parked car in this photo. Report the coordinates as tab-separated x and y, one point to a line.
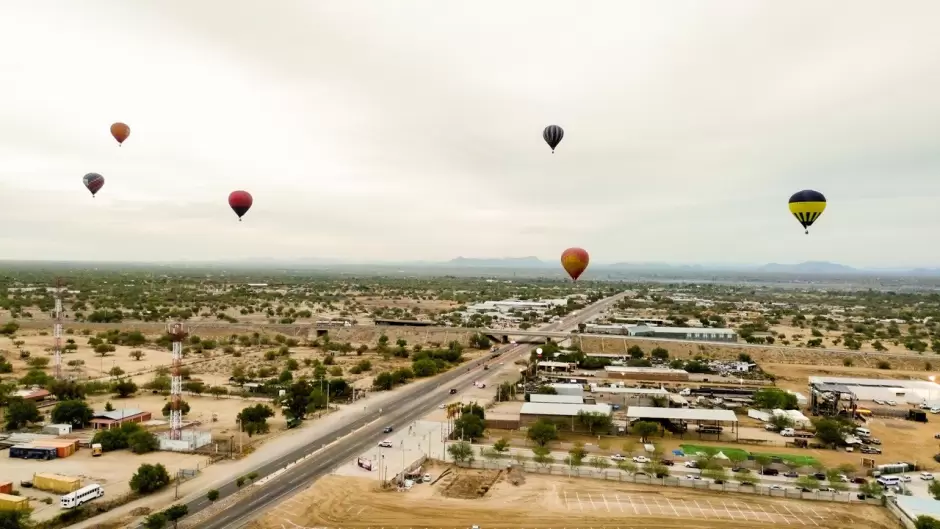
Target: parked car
791	474
618	457
770	472
926	476
693	477
453	391
691	464
641	459
820	476
874	441
870	450
905	479
777	487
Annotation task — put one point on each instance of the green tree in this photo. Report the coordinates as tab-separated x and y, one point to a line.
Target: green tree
469	426
142	442
832	431
542	456
461	452
774	398
184	407
501	446
599	463
20	412
149	478
212	495
542	432
595	421
807	482
645	429
926	522
576	454
175	513
156	520
934	489
124	388
718	474
74	412
254	419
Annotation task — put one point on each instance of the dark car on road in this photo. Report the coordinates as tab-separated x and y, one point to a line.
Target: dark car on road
770	472
387	429
791	474
820	476
453	391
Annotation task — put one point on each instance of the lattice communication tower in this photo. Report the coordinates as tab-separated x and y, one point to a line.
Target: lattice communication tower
177	334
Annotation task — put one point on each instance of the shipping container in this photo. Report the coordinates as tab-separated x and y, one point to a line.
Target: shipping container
8	502
6	487
62	449
56	483
33	452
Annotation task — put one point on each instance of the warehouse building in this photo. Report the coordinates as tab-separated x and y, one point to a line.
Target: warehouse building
623	397
646	373
872	389
105	420
565	416
562	388
708	334
555	399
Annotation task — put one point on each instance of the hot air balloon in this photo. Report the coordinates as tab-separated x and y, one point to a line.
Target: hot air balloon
807	206
553	135
240	202
120	132
94	182
575	262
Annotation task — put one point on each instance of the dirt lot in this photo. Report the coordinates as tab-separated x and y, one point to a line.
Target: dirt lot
762	355
113	471
544	502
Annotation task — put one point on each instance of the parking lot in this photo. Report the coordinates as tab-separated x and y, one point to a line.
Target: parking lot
790	513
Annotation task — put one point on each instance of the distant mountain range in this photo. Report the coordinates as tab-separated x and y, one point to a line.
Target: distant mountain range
808	267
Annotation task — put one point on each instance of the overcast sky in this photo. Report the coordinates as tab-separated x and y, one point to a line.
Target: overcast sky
407	130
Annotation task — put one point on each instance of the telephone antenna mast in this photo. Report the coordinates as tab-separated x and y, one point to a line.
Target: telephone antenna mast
57	329
177	334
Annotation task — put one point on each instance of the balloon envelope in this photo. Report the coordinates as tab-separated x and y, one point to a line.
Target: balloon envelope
553	135
120	131
575	262
240	202
807	205
93	182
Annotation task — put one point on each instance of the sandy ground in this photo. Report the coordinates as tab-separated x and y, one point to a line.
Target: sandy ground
113	471
542	502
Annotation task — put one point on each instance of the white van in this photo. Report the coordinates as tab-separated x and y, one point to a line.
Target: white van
888	481
80	496
864	432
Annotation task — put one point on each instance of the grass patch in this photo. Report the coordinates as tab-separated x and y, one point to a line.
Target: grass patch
806	461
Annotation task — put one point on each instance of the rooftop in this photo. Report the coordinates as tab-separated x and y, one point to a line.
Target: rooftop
680	414
117	415
876	382
682	330
626	369
563	410
629	391
556	399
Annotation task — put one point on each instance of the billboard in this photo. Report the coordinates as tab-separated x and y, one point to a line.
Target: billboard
364	463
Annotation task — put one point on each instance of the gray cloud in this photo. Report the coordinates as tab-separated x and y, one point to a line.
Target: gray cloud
411	130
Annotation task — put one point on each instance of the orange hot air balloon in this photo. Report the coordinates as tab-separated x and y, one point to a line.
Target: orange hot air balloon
120	132
575	262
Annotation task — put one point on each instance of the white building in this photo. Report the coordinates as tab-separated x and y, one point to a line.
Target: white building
868	389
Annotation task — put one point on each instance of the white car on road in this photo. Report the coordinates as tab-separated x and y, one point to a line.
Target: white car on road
386	444
641	459
926	476
618	457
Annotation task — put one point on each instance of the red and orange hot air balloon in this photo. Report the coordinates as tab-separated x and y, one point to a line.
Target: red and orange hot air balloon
240	202
120	131
575	262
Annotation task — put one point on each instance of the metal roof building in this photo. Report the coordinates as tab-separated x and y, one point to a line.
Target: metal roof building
562	410
556	399
909	391
681	414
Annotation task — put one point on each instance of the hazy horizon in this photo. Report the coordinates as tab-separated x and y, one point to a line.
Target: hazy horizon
411	131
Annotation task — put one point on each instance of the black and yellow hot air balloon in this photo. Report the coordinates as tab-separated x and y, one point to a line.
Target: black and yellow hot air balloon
807	205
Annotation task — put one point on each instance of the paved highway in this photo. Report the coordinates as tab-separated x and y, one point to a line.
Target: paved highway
410	406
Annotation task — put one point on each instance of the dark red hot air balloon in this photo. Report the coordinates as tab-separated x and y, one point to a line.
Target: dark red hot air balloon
120	131
240	202
575	262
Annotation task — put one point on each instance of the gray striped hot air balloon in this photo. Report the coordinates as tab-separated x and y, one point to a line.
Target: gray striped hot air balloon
553	135
94	182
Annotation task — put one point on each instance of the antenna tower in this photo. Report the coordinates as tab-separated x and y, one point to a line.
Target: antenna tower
57	330
177	334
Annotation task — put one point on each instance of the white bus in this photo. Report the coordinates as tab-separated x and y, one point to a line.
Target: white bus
80	496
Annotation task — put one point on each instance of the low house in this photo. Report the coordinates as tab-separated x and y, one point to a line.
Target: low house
105	420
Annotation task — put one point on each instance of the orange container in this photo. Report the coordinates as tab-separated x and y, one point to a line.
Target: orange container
6	487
